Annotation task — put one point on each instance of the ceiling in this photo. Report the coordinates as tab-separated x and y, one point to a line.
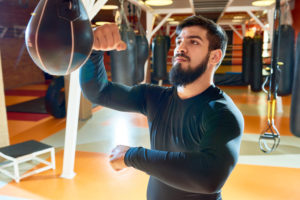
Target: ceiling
221	11
225	12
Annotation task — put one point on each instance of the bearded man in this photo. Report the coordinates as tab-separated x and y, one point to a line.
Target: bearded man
195	128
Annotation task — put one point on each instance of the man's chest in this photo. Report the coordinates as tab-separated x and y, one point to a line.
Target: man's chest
177	128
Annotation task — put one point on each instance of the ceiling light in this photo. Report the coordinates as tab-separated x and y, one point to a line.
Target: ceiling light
263	2
237	20
170	19
238	17
109	7
159	2
100	23
173	22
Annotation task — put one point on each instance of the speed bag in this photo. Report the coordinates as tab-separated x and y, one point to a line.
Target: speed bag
142	55
58	36
295	105
286	55
123	63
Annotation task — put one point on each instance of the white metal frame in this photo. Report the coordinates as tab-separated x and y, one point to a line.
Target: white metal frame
74	104
15	162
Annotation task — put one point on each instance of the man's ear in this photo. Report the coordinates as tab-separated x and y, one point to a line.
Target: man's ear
215	56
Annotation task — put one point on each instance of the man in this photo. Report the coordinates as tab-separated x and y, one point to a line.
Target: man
195	128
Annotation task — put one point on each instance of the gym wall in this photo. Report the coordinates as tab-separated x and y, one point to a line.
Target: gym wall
18	68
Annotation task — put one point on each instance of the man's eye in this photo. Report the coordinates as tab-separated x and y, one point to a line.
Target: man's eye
178	42
194	42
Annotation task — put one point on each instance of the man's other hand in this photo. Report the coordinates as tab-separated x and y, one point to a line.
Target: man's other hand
117	157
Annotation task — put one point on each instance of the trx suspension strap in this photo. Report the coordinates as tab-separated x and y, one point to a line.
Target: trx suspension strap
270	137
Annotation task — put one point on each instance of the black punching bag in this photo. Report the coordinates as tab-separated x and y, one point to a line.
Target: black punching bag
295	106
286	55
58	36
160	48
55	101
142	49
123	63
142	56
256	71
247	59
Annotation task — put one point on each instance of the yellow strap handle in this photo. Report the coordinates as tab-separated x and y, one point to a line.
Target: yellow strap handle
269	109
273	108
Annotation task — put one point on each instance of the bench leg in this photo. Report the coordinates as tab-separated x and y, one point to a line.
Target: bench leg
17	173
53	158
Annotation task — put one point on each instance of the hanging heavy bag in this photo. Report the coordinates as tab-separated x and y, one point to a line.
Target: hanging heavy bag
256	70
142	49
55	102
160	46
58	36
123	63
142	56
295	105
286	56
247	59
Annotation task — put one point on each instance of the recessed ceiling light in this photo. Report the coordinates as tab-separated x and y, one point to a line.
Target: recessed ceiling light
237	20
170	19
173	22
263	2
109	7
238	17
100	23
159	2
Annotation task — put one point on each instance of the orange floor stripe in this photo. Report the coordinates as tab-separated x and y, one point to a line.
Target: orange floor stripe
34	87
95	179
250	182
41	130
16	127
256	124
11	100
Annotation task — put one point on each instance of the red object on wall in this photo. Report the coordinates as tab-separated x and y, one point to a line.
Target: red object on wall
296	17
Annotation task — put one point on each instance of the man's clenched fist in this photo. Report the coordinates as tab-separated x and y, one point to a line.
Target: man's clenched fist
107	38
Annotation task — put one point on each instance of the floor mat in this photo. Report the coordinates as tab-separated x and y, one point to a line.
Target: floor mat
32	106
26	116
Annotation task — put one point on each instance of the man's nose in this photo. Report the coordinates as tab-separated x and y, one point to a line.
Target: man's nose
181	48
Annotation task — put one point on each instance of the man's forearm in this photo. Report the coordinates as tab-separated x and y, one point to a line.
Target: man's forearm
194	172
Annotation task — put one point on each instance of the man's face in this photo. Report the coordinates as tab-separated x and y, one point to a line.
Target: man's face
191	56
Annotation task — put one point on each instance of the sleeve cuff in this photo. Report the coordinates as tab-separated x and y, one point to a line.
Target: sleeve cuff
129	155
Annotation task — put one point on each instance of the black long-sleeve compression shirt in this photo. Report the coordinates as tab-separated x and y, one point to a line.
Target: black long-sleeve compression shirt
194	142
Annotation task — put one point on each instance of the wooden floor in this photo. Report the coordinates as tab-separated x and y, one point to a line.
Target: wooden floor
258	176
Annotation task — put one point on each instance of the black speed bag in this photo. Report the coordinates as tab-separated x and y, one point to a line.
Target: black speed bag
59	36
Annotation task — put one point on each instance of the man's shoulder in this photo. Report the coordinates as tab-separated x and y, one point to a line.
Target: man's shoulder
220	102
152	89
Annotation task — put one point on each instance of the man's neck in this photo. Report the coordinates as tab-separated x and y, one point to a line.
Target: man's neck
194	88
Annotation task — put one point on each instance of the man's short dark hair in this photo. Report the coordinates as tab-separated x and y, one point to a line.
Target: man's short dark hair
215	34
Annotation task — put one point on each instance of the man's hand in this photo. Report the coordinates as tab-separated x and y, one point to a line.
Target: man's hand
107	38
117	157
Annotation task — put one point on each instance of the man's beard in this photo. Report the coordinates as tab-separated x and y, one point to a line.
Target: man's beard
181	77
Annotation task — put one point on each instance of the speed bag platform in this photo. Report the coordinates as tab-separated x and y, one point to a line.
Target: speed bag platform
59	36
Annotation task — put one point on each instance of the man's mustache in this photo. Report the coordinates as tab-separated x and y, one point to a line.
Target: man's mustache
181	55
